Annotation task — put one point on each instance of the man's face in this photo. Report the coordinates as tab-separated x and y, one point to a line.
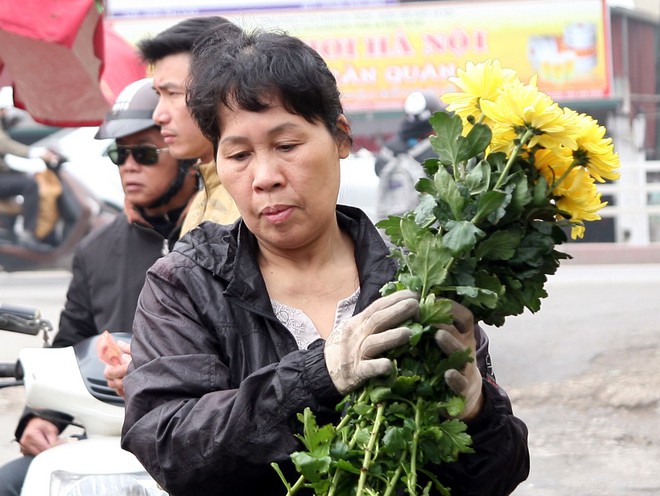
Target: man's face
144	184
181	134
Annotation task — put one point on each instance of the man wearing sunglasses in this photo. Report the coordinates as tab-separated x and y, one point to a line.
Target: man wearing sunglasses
110	264
169	53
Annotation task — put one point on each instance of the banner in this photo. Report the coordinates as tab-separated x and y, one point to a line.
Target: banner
381	54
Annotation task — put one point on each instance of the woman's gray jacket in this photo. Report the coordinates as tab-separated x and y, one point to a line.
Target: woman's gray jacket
216	381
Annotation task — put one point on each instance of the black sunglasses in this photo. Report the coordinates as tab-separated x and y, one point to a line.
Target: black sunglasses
142	154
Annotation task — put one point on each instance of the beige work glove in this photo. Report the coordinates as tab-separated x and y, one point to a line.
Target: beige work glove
466	382
352	347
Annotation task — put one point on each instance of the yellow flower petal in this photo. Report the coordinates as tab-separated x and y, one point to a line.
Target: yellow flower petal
477	82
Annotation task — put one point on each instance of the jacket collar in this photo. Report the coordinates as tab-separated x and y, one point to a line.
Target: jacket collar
229	252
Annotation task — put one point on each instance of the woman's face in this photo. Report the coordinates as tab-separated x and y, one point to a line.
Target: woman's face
283	173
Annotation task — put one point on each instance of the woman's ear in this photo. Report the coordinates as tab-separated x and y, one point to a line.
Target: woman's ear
344	136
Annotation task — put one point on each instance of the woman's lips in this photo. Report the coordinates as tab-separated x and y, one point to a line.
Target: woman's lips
277	213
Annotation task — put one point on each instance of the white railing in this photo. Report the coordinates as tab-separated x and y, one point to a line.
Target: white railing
635	205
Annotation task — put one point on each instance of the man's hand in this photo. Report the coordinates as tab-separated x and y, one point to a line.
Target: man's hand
351	349
38	436
466	382
115	374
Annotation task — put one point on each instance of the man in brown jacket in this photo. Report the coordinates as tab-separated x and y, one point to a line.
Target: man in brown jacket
168	53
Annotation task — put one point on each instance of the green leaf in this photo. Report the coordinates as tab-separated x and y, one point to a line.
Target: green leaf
500	245
435	311
403	385
476	142
430	260
521	196
454	406
455	430
424	213
313	468
392	228
449	193
426	185
478	178
448	130
362	437
411	232
490	202
498	161
540	195
379	394
461	237
315	439
395	440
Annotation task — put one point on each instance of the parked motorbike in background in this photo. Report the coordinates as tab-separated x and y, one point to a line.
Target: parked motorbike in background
77	210
68	384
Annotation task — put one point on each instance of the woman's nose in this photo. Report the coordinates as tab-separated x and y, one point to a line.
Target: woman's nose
267	173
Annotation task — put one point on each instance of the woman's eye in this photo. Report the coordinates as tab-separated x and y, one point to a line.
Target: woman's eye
286	147
238	156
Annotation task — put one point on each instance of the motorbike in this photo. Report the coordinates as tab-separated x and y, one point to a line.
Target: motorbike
79	211
67	385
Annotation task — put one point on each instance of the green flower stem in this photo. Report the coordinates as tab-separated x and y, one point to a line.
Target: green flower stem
360	399
391	484
298	485
334	482
368	452
561	178
364	395
523	141
412	479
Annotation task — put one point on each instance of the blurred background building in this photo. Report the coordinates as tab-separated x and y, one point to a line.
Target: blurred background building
599	57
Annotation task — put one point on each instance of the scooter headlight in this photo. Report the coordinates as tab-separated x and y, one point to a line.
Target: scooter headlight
64	483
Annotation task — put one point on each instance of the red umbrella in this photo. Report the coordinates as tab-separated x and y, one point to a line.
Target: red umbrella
65	62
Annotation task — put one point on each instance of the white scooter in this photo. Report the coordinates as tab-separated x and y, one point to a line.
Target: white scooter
67	384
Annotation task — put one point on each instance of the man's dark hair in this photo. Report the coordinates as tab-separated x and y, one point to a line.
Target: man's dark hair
249	70
181	37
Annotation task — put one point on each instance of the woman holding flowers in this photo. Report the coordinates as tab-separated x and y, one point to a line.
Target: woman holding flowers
243	327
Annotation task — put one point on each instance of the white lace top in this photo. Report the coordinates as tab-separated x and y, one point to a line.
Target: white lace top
301	326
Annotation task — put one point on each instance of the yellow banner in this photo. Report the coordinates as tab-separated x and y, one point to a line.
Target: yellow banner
381	54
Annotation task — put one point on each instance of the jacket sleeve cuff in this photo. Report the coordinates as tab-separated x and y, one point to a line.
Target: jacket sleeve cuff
495	402
317	377
28	414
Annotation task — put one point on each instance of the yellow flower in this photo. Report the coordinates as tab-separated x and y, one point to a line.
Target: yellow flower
521	109
572	187
579	198
567	148
478	82
551	165
577	231
594	151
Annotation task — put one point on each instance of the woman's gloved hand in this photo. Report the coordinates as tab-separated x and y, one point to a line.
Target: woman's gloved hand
351	348
466	382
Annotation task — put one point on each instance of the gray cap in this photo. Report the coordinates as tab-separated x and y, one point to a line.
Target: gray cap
131	112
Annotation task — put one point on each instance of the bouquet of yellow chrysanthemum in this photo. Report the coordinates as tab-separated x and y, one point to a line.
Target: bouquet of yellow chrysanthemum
514	170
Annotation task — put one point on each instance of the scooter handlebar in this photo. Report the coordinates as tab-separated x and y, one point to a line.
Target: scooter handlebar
19	311
24	320
17	324
11	370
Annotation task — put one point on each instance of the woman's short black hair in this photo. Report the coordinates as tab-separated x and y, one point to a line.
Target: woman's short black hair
248	70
